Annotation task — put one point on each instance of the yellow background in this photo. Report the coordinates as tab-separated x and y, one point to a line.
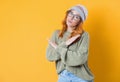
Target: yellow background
25	25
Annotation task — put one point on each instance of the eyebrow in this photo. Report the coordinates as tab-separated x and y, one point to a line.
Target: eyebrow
75	14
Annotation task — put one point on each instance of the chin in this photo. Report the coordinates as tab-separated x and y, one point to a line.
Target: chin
69	24
72	26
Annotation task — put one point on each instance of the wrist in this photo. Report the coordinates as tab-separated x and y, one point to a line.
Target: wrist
66	43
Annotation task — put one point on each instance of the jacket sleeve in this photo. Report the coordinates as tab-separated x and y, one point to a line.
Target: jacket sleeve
51	54
74	58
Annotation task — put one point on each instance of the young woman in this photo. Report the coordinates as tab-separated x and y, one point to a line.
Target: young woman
68	47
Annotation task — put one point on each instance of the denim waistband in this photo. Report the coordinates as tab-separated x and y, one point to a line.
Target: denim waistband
71	77
67	73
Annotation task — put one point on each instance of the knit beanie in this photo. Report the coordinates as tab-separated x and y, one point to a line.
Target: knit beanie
81	10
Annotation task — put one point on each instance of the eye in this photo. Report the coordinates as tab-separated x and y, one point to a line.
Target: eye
77	17
70	14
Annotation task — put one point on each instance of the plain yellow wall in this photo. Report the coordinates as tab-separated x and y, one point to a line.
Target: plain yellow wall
25	25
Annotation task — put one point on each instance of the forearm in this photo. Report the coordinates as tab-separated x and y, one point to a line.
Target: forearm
51	54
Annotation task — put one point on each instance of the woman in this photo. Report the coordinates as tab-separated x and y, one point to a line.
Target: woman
68	48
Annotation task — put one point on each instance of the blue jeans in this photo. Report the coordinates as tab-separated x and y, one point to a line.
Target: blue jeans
66	76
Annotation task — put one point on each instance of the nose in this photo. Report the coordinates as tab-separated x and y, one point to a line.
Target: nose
72	17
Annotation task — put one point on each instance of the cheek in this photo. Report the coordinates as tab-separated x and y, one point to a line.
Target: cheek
67	18
75	22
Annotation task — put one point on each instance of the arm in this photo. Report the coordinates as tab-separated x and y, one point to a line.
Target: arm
51	54
74	58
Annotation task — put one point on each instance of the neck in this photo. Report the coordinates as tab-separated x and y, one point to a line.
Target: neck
70	29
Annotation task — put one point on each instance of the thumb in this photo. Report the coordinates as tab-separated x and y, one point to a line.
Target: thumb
76	36
47	39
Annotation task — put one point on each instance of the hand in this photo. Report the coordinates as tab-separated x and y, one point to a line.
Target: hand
69	41
53	44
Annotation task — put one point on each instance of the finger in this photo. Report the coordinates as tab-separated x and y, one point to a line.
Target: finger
78	35
47	39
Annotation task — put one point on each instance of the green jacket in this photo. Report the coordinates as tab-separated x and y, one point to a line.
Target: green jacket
73	58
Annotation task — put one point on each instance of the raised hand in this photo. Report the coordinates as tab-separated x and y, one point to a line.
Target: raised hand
53	44
69	41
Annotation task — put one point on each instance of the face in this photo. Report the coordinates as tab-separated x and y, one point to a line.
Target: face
73	18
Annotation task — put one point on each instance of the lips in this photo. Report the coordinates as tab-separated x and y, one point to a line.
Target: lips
70	21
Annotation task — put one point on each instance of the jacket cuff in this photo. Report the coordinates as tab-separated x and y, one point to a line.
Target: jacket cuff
61	48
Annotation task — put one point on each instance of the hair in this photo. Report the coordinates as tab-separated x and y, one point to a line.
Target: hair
77	30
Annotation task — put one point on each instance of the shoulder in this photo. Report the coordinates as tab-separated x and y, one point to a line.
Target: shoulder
55	33
85	33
